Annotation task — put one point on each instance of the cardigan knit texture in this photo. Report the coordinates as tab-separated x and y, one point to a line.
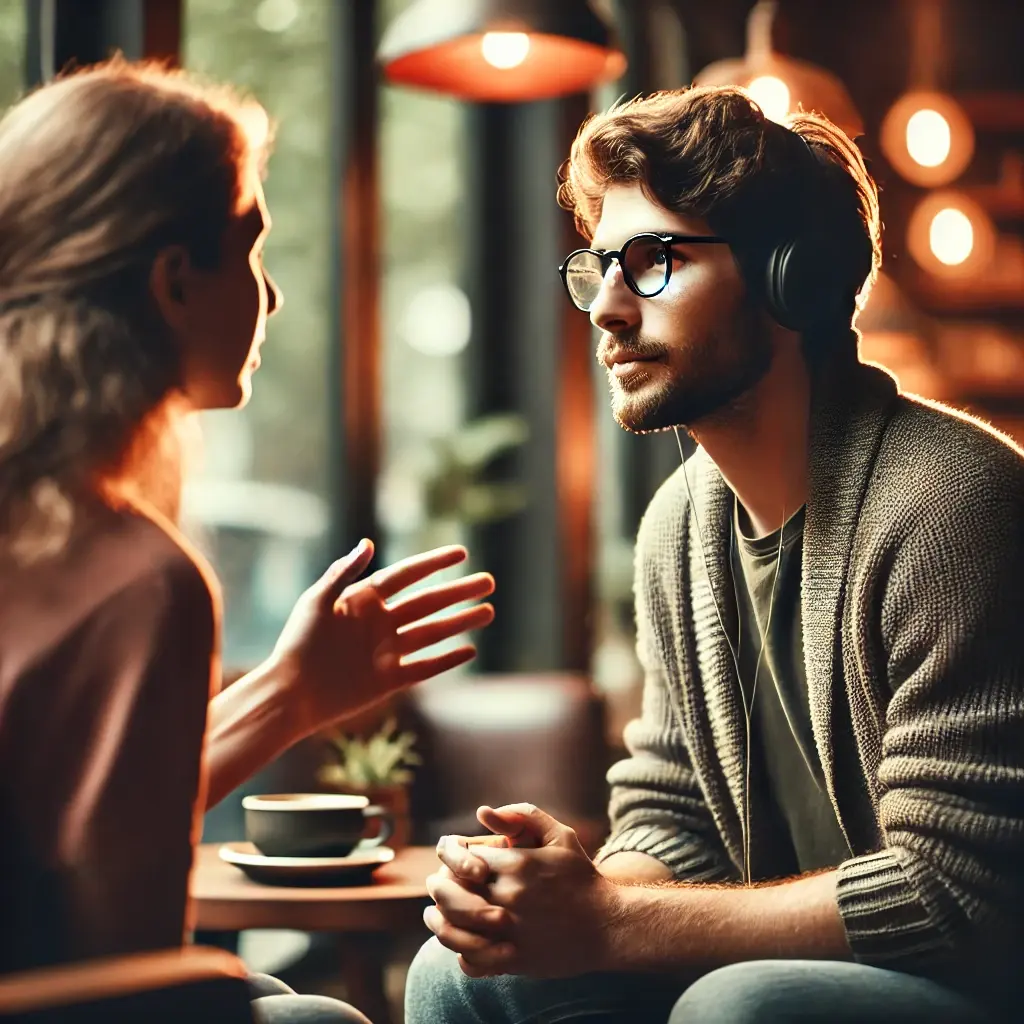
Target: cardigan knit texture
912	600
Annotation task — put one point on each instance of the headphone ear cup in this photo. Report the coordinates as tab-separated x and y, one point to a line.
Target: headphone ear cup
806	281
780	287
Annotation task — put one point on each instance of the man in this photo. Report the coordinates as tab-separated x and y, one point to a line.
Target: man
821	818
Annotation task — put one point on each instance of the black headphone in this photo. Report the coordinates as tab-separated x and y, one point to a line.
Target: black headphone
809	280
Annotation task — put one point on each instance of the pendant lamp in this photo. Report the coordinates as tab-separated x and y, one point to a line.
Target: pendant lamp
779	84
505	51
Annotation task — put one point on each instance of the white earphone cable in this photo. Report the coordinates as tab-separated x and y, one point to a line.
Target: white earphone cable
748	707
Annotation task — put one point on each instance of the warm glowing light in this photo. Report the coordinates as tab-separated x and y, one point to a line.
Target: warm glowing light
951	236
505	49
771	94
929	138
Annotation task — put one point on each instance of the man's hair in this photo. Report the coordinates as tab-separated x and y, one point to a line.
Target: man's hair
710	152
99	170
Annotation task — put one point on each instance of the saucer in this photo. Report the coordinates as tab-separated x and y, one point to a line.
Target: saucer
355	869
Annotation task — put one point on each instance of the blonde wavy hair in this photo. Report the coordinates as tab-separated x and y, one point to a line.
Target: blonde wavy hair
99	171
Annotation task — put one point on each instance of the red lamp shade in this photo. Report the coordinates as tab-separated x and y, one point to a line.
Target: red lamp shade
504	51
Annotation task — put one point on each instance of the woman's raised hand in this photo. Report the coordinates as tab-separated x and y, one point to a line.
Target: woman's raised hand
350	642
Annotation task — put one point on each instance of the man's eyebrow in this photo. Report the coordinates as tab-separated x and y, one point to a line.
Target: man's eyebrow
660	232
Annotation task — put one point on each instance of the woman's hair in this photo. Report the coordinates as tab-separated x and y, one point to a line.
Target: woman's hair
710	152
99	171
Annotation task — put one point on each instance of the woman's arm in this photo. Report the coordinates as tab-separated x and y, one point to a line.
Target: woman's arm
348	644
249	724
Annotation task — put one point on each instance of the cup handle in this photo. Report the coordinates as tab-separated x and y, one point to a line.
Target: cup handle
387	826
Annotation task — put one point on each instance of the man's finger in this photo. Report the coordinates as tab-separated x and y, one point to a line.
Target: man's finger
489	960
388	582
453	854
525	825
465	909
431	600
460	941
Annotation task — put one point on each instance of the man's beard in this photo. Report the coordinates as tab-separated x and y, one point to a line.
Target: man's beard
714	375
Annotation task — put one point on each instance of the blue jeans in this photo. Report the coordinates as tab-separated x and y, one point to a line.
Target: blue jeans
273	1002
762	992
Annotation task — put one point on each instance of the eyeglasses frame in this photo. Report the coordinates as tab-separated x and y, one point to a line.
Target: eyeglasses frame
667	240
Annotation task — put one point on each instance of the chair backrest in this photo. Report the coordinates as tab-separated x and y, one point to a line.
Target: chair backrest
504	739
193	985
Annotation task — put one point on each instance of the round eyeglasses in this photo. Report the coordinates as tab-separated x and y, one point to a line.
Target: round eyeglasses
645	259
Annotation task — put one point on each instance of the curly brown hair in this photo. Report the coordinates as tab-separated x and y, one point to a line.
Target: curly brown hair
99	170
710	152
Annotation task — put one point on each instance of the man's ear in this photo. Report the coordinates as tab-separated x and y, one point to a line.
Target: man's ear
168	285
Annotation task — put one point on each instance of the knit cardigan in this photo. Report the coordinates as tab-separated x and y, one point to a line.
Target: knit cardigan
913	632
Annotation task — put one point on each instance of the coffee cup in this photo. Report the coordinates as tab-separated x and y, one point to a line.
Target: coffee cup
313	824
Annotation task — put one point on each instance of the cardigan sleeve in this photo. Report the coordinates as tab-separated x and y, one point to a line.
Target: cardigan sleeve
948	887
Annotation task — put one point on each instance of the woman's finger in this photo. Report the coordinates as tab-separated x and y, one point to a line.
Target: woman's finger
388	582
434	599
412	672
344	572
426	634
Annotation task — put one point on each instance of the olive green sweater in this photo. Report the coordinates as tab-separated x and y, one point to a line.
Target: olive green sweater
913	627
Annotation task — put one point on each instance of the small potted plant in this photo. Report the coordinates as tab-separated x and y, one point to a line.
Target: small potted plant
378	767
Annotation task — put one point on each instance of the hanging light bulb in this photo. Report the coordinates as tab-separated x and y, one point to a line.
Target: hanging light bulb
927	138
505	49
778	84
501	50
950	235
771	94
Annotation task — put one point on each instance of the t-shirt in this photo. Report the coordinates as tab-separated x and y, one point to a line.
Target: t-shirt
794	827
107	659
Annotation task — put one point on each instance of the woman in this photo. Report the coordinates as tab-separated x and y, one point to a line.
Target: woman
132	291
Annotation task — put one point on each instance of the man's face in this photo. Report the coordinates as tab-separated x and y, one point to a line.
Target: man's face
688	352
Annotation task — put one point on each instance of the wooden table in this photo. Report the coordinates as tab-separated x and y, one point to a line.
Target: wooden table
362	916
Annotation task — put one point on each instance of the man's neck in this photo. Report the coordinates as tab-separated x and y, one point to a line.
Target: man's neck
760	443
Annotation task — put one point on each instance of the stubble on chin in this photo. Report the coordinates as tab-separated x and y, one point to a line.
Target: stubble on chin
637	410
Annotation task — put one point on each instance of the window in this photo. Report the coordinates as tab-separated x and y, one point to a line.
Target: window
257	501
426	317
12	52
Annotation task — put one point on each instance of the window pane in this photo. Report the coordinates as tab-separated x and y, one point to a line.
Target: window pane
257	503
426	317
12	51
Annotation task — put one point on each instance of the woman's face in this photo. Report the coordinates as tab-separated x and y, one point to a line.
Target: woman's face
219	316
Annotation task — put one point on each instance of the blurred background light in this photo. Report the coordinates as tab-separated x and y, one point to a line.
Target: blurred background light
772	95
438	320
779	84
505	49
927	138
951	235
501	50
276	15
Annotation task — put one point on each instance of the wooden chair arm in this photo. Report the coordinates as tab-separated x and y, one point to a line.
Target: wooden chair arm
193	983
